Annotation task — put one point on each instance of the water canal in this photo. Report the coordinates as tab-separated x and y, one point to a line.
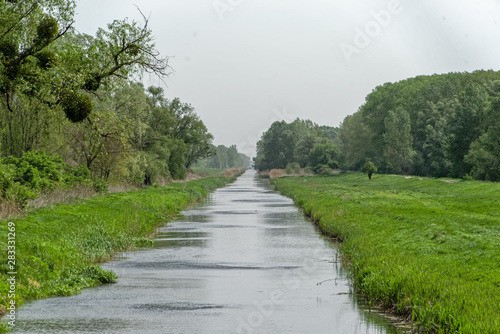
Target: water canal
244	261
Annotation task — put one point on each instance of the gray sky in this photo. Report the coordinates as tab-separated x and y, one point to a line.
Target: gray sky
243	64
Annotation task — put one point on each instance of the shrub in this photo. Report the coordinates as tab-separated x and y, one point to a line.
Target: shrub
324	154
322	169
293	168
100	186
27	177
77	175
308	170
468	177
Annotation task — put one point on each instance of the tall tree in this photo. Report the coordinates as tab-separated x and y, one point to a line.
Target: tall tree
484	153
465	127
398	140
356	141
277	146
435	161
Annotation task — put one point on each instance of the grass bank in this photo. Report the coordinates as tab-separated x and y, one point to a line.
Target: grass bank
57	248
424	249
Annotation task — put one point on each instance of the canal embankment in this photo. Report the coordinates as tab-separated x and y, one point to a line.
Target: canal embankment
427	250
57	248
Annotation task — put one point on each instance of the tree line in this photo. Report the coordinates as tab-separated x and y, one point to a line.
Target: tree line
300	142
74	98
226	158
440	125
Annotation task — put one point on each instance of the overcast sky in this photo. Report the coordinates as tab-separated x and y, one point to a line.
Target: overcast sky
243	64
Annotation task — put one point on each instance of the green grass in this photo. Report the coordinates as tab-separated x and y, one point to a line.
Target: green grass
57	248
425	249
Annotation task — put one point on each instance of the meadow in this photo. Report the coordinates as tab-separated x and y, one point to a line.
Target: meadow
58	248
427	250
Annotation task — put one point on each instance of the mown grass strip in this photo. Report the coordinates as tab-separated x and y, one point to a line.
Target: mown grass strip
57	248
425	249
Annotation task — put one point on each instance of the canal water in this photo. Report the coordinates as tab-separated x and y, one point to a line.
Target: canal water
244	261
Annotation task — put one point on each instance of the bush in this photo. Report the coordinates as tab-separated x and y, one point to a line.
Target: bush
27	177
322	169
468	177
293	168
77	175
100	186
36	170
324	154
333	164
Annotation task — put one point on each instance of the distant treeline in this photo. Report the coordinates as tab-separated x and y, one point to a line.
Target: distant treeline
300	142
440	125
225	158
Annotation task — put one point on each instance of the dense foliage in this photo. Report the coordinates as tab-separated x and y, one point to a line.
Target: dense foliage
302	142
439	125
75	97
24	178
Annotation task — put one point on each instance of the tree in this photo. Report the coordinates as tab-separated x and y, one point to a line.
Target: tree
465	127
28	72
225	157
369	168
101	142
445	118
125	49
27	30
435	161
232	156
47	71
356	141
276	146
284	143
398	140
176	128
190	129
303	149
324	155
484	153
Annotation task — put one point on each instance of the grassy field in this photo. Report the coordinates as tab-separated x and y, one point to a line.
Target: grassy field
57	248
425	249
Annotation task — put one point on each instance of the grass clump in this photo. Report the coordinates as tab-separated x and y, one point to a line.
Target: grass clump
57	248
424	249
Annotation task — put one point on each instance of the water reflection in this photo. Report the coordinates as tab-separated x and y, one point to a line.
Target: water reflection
246	261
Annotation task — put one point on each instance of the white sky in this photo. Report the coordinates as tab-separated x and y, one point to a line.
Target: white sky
257	61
